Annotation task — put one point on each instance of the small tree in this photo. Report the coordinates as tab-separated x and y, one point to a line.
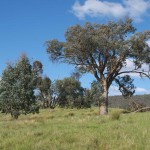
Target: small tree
8	103
103	50
17	89
45	91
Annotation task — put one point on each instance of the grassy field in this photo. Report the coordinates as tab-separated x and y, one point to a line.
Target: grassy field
66	129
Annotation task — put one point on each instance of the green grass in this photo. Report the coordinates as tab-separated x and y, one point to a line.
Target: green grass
66	129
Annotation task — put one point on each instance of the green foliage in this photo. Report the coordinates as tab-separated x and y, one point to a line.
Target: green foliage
8	101
24	85
45	92
96	92
17	89
69	93
88	98
93	96
126	85
37	68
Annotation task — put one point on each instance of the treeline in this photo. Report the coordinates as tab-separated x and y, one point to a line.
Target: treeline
24	89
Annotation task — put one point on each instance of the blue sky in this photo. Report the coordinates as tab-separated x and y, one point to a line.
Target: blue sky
25	25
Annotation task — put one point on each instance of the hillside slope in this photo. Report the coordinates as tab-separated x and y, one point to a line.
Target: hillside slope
121	102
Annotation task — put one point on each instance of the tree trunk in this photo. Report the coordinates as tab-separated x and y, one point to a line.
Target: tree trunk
103	107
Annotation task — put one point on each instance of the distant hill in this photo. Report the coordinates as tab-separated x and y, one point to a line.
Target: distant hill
121	102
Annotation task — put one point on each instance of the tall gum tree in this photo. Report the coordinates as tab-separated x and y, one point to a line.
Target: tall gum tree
103	50
17	86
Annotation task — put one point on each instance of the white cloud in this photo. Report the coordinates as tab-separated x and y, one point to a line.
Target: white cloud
136	8
148	42
142	90
96	8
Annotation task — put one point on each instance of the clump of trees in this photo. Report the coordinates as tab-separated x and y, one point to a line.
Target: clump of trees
103	50
70	94
24	89
17	86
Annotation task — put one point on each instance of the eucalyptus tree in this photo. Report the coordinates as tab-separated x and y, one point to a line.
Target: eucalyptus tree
25	85
17	87
103	50
45	91
7	89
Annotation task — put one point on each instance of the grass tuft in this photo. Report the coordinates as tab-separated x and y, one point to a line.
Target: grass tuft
70	114
115	115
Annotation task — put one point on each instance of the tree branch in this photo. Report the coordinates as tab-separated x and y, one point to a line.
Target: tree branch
135	71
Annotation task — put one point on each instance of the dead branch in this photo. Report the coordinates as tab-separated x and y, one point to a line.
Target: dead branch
143	109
